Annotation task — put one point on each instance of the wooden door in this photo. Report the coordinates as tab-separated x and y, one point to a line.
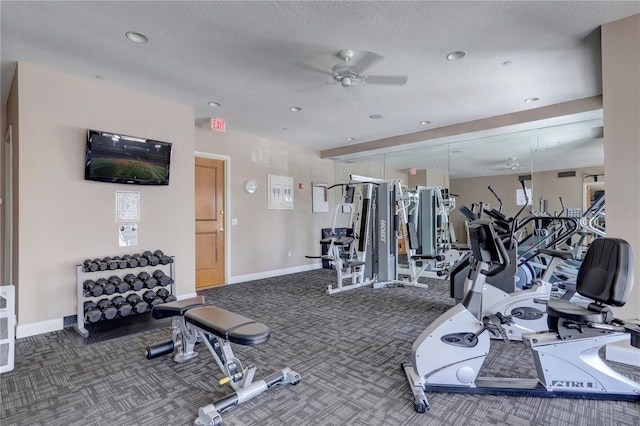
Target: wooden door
210	232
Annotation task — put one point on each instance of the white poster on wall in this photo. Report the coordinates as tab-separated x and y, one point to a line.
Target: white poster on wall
128	234
280	192
521	200
127	206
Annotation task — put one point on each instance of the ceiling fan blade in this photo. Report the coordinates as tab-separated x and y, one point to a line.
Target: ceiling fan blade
386	79
365	61
312	68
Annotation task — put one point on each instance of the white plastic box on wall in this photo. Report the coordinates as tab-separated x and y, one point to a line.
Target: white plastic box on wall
7	327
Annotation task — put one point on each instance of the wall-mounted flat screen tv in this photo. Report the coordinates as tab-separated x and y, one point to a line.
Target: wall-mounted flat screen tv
116	158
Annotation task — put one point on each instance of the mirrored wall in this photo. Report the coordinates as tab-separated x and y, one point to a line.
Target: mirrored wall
561	165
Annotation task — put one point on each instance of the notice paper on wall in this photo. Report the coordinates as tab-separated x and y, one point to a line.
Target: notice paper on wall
128	234
320	198
127	206
521	200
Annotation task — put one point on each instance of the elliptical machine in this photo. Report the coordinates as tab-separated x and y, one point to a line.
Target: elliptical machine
449	354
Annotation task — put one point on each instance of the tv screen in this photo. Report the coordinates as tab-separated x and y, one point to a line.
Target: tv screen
111	157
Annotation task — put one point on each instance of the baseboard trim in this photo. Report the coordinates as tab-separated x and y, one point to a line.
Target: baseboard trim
187	296
273	273
36	328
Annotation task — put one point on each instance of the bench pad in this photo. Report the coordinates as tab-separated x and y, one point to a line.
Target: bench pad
179	307
227	325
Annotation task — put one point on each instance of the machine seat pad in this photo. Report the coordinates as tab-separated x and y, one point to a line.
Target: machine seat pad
228	326
562	254
344	241
562	308
352	263
179	307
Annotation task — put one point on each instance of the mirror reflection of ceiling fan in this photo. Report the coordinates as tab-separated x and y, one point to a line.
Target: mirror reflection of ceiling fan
352	71
512	164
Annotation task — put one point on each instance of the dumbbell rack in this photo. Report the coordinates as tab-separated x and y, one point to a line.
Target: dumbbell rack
81	270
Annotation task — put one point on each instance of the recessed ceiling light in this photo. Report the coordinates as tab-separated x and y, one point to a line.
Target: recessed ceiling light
136	37
454	56
295	109
100	77
505	63
375	116
456	151
214	104
531	100
351	139
424	122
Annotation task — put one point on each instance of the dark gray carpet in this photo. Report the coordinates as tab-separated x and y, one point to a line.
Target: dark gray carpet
348	348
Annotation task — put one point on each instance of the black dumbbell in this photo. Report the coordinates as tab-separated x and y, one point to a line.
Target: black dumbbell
107	287
112	265
134	282
142	261
102	266
153	260
152	298
89	266
121	286
147	254
162	278
158	253
162	292
139	306
170	298
107	308
165	260
91	311
92	289
120	303
150	282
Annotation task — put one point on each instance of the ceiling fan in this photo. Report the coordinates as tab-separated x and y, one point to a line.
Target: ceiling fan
512	164
350	72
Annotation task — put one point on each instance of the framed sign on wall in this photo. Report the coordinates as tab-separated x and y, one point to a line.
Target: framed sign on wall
280	193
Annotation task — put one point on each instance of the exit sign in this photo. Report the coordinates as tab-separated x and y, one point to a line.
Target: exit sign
217	124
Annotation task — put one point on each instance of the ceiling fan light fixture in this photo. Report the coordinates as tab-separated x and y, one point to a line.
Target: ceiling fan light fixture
454	56
295	109
214	104
529	100
345	81
351	139
424	122
137	37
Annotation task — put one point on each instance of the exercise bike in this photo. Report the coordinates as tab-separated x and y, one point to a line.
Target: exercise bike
449	354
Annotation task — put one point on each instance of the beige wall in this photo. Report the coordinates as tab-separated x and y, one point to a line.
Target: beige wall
3	129
65	219
262	239
621	102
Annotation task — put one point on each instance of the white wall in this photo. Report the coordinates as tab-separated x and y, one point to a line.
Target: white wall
262	238
64	219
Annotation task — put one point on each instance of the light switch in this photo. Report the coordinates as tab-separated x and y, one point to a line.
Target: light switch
234	221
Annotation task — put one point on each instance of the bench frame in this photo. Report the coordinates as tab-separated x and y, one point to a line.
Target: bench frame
185	335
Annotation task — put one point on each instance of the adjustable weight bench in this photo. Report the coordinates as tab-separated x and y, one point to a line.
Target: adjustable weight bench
193	322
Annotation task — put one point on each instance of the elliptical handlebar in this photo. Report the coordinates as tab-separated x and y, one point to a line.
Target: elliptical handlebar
506	261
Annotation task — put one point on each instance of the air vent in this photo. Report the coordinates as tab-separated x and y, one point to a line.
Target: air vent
571	173
524	177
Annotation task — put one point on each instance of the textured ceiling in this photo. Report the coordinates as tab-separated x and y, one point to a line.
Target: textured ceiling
260	58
